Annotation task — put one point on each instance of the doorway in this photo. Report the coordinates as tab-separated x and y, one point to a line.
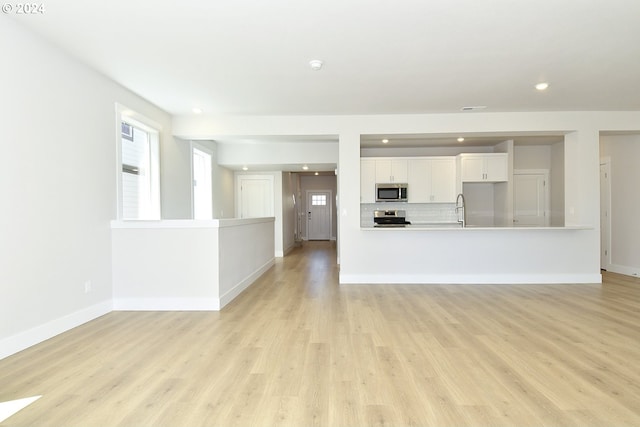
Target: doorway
202	189
531	198
319	212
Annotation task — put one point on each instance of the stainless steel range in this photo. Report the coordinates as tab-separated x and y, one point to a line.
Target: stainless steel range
390	218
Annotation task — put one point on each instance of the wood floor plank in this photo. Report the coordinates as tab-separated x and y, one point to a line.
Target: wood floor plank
297	349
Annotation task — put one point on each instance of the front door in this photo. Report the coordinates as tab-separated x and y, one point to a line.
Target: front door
319	215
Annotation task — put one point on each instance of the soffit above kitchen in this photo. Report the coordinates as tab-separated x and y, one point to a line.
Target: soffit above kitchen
458	139
246	57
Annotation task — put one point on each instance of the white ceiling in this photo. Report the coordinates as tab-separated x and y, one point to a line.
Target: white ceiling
381	56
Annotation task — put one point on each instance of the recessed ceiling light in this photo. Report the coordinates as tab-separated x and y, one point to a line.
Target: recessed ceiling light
316	174
244	168
461	139
316	64
197	110
475	107
305	167
385	141
542	86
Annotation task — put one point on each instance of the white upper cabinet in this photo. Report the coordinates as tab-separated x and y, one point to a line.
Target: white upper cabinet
443	180
367	181
391	170
432	180
484	167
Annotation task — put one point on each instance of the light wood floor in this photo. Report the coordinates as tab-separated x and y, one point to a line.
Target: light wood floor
296	349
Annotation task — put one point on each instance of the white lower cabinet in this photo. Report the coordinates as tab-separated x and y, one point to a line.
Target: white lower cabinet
432	180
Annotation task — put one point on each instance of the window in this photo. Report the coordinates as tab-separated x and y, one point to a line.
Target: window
202	191
319	200
139	182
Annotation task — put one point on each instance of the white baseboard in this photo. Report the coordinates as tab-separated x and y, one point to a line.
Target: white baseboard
431	279
166	304
623	269
38	334
244	284
190	304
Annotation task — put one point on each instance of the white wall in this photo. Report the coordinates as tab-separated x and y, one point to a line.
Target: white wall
624	154
58	186
532	157
277	153
175	177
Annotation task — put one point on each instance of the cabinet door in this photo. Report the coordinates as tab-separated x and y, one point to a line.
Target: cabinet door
443	180
472	169
399	171
367	181
497	168
383	171
419	180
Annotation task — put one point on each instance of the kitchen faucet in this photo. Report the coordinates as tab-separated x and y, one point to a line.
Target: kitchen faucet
460	207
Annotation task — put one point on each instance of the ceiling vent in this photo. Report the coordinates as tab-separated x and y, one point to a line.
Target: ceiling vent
477	107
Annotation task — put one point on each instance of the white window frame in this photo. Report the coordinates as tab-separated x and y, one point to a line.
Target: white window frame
153	129
200	147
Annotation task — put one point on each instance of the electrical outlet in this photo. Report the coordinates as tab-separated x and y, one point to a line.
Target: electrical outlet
87	286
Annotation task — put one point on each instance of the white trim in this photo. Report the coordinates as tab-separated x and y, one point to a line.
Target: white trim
469	279
195	145
606	161
166	304
245	283
623	269
189	223
190	304
50	329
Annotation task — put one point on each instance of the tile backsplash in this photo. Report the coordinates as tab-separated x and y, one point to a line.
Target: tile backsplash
416	212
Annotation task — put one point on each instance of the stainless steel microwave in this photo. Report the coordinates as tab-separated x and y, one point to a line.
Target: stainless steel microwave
391	192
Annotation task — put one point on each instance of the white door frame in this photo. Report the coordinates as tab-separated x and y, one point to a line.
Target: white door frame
204	149
329	203
605	223
547	192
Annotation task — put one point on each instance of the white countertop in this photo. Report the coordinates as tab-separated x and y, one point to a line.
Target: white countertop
457	227
188	223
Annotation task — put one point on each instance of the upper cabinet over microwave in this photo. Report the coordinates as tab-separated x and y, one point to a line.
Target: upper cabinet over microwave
391	170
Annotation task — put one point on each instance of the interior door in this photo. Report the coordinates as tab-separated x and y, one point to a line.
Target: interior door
256	196
530	195
605	216
318	215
